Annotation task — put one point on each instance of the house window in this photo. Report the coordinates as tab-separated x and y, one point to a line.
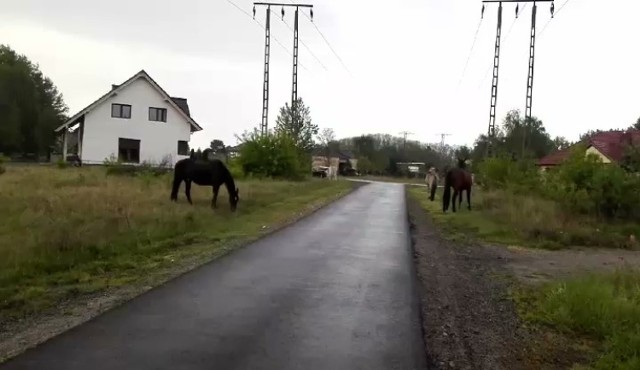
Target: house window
129	150
120	111
183	147
158	114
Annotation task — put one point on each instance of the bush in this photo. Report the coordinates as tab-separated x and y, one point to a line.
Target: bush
145	169
272	155
504	173
586	185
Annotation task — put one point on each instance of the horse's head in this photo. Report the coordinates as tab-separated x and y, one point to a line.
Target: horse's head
462	162
234	199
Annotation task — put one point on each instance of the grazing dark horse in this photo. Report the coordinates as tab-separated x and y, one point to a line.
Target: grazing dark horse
459	179
205	173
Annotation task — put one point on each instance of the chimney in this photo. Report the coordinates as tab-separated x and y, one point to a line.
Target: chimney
113	87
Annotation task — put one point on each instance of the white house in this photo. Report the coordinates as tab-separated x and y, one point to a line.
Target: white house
136	121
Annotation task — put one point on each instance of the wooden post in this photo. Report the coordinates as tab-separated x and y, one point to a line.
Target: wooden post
80	132
64	143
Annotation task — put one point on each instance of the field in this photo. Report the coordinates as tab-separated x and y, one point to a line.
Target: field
66	233
586	306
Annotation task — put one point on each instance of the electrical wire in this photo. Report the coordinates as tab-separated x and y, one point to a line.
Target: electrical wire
556	14
506	37
303	43
325	40
264	28
473	44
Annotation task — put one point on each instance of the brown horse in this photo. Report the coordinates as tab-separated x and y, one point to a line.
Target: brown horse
460	180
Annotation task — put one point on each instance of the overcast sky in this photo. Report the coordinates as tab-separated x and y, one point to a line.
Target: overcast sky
405	57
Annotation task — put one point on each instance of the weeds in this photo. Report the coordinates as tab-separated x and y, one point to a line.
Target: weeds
504	217
602	308
68	232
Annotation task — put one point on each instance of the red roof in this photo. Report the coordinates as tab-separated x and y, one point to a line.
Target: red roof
611	144
554	158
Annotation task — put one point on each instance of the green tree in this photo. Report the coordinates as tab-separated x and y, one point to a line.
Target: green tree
296	123
637	124
515	134
217	146
30	106
560	143
325	138
272	155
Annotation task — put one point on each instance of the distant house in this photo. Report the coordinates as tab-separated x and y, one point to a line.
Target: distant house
345	161
608	146
135	122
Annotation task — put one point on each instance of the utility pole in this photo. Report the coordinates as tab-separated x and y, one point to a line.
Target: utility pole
532	53
264	124
494	81
496	63
404	140
294	87
442	137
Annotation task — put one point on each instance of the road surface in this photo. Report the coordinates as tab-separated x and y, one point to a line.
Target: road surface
334	291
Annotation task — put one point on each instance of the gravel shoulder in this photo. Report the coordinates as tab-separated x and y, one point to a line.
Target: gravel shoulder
469	322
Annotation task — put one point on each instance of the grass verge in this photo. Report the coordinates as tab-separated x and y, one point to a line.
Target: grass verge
502	217
600	311
66	233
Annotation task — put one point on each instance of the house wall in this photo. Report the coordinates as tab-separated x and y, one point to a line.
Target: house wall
157	139
592	150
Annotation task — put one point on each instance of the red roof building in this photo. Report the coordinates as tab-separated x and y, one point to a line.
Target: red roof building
610	146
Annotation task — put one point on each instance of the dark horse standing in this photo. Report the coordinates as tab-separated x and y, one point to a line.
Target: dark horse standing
205	173
459	179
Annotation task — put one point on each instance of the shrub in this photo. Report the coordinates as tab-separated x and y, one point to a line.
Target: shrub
586	185
272	155
504	173
144	169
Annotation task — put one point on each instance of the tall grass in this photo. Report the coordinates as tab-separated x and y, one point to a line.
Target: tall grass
605	308
502	216
80	229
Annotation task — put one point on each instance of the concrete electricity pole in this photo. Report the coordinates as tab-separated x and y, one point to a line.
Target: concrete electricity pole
294	89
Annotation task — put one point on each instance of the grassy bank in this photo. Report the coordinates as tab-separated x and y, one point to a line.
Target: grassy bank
67	232
600	310
505	218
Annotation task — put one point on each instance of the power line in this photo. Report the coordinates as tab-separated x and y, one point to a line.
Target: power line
330	47
304	44
464	70
506	37
556	13
263	28
325	40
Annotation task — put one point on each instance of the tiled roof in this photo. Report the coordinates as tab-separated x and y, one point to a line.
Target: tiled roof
611	144
554	158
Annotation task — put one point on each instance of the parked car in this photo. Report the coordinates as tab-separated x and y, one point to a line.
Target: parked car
320	172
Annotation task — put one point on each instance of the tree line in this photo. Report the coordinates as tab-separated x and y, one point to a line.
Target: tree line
31	106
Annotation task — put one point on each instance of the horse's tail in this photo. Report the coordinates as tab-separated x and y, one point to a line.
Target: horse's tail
446	195
177	179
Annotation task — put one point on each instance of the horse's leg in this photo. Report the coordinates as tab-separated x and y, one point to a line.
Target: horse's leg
175	189
214	201
469	198
460	199
455	196
187	190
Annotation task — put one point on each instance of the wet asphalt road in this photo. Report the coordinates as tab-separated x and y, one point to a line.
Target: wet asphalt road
336	290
